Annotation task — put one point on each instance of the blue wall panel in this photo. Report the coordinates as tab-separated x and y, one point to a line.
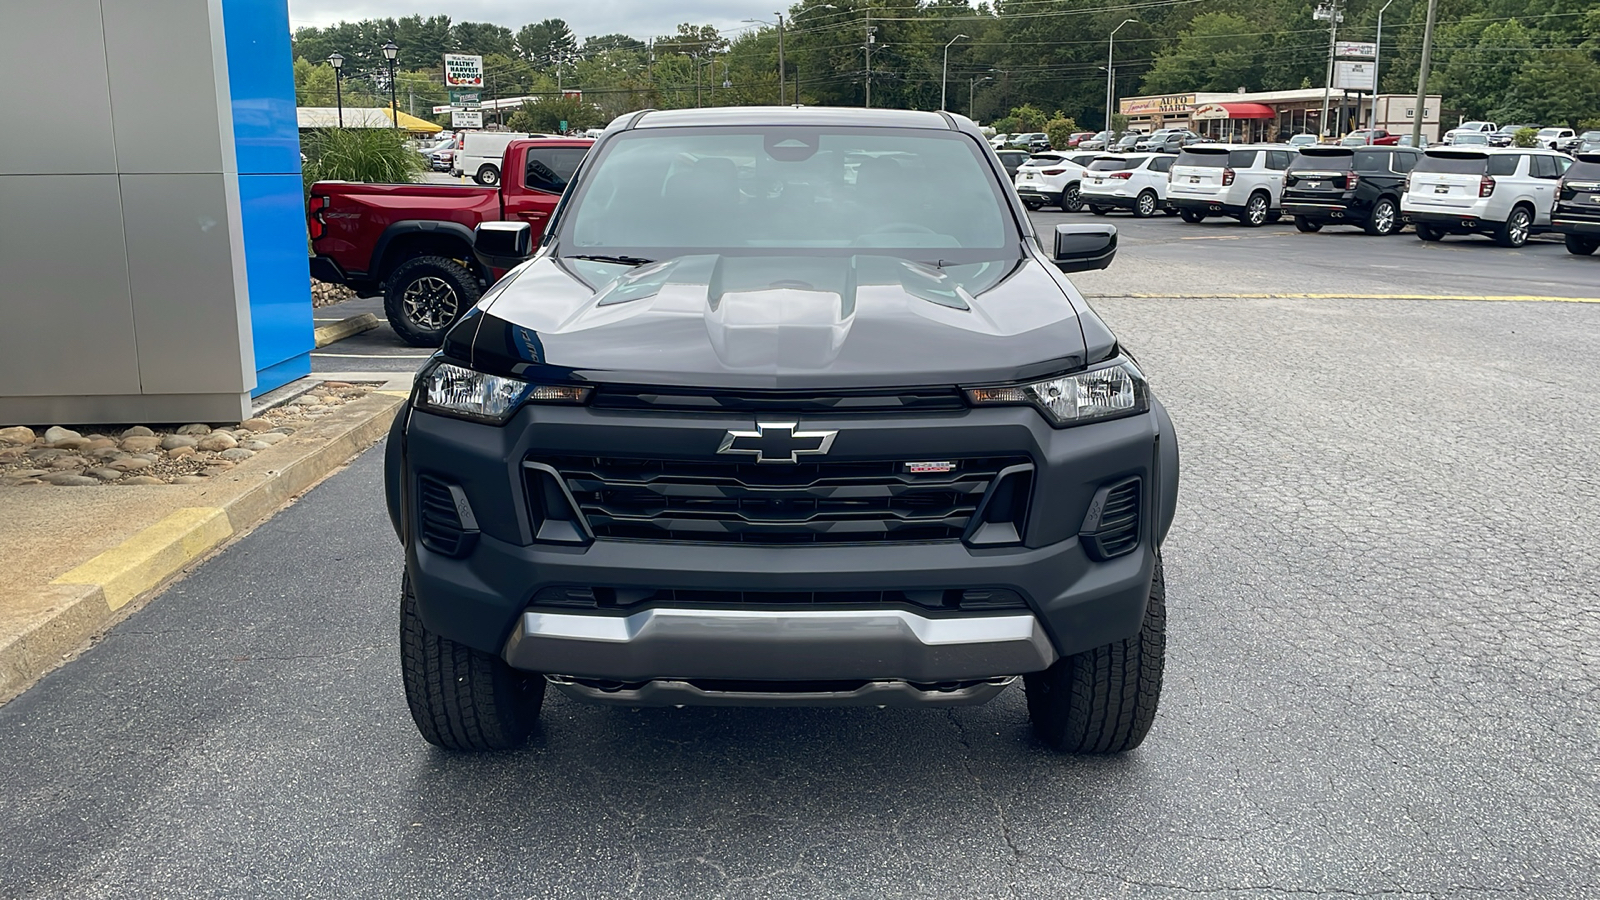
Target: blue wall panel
279	277
267	146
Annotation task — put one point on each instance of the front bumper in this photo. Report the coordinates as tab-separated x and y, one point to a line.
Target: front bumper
485	598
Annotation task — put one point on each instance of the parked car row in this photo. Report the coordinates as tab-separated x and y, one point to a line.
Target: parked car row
1508	194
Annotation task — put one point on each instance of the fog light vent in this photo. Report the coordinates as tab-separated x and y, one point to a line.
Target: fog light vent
445	519
1111	528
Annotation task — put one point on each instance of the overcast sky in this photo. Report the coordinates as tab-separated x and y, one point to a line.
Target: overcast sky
638	18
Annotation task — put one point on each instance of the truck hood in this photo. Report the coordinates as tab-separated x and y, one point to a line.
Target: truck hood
774	323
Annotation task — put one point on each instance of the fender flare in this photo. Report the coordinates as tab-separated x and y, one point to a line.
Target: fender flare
1167	477
421	226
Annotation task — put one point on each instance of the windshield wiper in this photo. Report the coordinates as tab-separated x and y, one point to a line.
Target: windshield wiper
623	260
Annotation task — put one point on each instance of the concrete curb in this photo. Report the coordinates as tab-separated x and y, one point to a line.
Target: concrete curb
1464	298
338	331
85	600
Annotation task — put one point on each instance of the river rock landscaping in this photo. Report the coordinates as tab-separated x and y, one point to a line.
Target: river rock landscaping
93	456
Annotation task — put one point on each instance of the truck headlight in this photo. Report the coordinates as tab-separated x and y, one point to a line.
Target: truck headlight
459	391
1106	392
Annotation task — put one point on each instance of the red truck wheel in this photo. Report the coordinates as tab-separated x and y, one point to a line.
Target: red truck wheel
423	297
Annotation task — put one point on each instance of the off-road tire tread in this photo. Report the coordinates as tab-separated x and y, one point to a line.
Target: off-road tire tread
467	294
460	698
1104	700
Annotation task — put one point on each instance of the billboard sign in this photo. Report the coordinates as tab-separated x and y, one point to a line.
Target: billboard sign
466	118
1354	76
462	71
465	99
1355	49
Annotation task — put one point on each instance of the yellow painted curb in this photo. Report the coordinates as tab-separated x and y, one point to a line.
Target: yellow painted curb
153	555
1483	298
338	331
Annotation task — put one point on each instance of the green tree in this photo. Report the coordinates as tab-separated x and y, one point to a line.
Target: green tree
541	42
547	114
1218	52
1558	87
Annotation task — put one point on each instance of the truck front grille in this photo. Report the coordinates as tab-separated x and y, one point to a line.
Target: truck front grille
761	503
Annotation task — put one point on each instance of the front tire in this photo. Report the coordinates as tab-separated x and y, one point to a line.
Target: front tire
1033	205
1190	216
1104	700
1099	210
1144	206
461	698
1429	233
1255	211
1384	219
423	297
1581	246
1308	226
488	176
1072	199
1514	233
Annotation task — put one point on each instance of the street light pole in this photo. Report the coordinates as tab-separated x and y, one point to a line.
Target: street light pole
1422	75
782	100
1377	56
972	86
1111	48
870	39
944	74
390	51
336	59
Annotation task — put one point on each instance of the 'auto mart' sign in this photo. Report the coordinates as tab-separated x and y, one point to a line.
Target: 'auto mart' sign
1168	105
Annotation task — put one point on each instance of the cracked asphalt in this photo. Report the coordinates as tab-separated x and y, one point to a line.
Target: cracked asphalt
1384	651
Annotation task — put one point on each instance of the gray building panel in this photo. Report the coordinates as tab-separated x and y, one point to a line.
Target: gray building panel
69	325
57	96
185	259
165	98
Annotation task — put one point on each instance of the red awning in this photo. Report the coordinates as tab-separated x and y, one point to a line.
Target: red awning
1249	111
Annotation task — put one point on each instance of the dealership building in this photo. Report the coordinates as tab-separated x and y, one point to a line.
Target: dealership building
1275	115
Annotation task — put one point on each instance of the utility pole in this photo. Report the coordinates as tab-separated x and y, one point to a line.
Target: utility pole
781	82
1334	16
870	38
1377	56
1422	74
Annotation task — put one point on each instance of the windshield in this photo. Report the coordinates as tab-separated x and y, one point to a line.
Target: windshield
656	193
1453	165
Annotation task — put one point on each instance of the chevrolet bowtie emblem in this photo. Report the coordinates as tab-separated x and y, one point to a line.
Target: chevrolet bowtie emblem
777	442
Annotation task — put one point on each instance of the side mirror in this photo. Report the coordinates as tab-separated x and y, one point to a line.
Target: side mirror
1084	248
503	245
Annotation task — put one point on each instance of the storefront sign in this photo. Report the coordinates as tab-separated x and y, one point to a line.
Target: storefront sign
1171	104
1211	111
466	118
1354	76
462	71
465	99
1355	49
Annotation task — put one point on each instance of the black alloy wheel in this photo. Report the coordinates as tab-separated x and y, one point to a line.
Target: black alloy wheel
423	297
1072	198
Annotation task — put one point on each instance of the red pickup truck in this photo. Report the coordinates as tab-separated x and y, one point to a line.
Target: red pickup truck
413	242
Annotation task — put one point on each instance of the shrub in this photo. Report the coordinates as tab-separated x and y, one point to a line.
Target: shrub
1008	125
1029	118
377	155
1526	137
1060	130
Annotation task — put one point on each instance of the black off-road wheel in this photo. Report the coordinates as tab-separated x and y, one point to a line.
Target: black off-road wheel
1071	198
1309	226
1104	700
1582	246
461	698
423	297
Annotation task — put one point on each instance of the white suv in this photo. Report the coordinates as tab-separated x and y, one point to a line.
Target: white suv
1133	181
1242	181
1053	179
1504	193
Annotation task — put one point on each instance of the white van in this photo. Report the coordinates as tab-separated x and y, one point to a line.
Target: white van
480	155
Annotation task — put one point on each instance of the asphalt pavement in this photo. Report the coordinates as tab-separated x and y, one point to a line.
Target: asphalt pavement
1384	649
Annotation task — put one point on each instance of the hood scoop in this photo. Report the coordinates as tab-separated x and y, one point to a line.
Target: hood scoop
796	314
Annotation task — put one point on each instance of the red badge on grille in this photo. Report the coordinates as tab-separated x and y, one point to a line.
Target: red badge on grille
930	468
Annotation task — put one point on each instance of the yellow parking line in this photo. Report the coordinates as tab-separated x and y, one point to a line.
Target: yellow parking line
153	555
1488	298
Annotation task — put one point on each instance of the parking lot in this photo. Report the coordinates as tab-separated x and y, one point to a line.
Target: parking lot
1381	678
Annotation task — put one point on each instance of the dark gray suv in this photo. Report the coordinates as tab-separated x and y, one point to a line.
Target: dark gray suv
791	406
